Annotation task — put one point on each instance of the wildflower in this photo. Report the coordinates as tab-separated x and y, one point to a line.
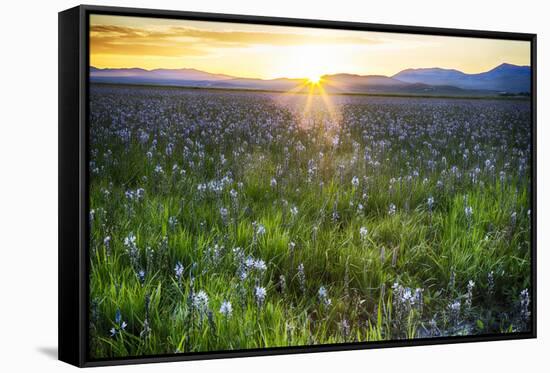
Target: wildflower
431	203
107	241
226	309
418	299
131	249
141	276
200	301
242	274
469	295
335	214
363	232
233	193
118	316
344	326
454	309
469	211
224	214
139	193
129	194
130	240
434	330
249	262
260	230
169	149
355	181
178	270
259	265
259	295
172	222
525	301
405	299
273	182
294	211
158	169
323	296
392	209
120	325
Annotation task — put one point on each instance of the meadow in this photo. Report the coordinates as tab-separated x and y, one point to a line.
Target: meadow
233	220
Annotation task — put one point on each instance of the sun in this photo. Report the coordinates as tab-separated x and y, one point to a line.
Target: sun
314	79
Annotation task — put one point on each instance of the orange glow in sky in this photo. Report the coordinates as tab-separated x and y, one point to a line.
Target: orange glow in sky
260	51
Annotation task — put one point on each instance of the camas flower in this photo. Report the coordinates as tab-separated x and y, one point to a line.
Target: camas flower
224	213
431	202
172	222
469	295
141	276
226	309
469	211
363	232
120	325
525	301
323	296
200	301
260	230
302	277
130	240
260	294
178	270
454	309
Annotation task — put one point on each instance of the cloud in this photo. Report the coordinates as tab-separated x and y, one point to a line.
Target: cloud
176	41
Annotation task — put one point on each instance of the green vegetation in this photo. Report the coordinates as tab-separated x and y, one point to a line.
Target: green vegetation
235	220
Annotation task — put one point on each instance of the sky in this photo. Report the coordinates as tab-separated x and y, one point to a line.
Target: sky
267	52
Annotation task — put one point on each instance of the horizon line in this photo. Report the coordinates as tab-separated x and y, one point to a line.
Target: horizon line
303	78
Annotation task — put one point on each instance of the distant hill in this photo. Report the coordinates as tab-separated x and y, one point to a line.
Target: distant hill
156	76
505	78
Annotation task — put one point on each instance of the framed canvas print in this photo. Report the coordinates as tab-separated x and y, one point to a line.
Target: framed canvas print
237	186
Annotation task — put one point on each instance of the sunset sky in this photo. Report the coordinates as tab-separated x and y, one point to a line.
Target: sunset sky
259	51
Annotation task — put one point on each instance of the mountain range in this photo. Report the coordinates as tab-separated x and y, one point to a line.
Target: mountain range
503	79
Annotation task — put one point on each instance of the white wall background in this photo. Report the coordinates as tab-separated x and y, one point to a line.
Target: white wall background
28	184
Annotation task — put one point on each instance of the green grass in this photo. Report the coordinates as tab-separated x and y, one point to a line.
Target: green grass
438	251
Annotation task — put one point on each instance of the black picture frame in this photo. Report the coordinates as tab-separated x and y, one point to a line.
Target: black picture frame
73	181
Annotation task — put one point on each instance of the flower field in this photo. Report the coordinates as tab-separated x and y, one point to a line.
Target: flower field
223	220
